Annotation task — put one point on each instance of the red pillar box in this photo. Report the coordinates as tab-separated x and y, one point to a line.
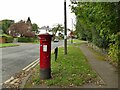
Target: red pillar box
45	56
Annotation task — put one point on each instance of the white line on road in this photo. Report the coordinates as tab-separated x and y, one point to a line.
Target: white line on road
9	80
27	68
30	64
15	80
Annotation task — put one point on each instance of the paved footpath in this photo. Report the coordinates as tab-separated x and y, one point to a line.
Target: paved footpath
107	72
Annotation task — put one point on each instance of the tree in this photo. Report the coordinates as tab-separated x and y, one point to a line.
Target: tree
29	21
6	24
35	28
55	29
61	36
20	29
98	23
1	31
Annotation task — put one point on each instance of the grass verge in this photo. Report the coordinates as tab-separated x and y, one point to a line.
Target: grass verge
7	45
71	70
76	41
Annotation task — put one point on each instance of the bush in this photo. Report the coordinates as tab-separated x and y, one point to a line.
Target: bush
25	39
114	48
9	39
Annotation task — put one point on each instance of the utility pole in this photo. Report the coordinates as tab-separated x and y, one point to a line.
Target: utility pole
65	28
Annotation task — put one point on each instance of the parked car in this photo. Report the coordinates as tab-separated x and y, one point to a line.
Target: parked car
56	40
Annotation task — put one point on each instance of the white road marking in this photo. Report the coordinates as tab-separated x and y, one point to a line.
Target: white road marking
30	64
9	80
27	68
15	80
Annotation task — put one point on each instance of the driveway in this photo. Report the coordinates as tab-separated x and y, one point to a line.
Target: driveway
14	59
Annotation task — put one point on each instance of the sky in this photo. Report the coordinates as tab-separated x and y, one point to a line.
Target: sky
42	12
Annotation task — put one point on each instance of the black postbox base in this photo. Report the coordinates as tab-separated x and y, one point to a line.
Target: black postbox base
45	73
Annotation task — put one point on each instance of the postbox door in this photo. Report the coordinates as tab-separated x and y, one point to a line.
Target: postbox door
45	55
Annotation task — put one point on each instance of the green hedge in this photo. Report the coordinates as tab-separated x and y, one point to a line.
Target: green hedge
9	39
114	48
25	39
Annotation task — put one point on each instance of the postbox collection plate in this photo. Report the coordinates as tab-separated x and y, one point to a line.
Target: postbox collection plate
44	48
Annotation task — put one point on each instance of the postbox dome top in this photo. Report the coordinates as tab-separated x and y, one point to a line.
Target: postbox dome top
45	35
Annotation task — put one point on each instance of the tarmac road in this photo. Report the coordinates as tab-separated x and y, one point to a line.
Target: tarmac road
14	59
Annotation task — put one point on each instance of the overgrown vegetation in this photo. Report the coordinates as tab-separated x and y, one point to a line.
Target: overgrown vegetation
98	22
69	70
8	38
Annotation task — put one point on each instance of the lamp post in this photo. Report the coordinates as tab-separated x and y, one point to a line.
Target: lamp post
65	29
